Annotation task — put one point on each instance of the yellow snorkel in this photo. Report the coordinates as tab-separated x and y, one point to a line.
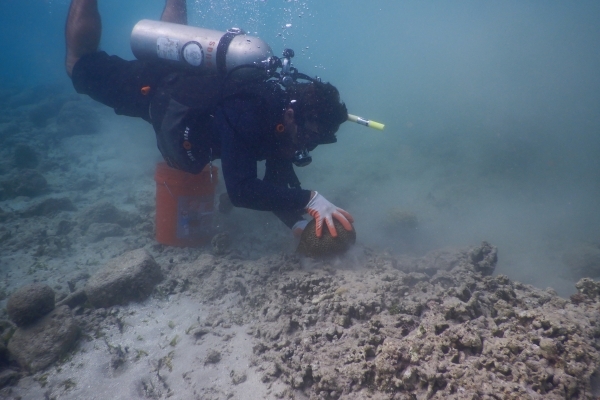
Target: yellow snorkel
362	121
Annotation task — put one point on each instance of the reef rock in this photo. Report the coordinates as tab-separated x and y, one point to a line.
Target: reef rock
390	331
100	230
27	182
326	245
49	207
129	277
30	303
103	212
37	346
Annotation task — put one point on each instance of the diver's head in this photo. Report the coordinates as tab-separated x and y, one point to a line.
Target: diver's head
317	111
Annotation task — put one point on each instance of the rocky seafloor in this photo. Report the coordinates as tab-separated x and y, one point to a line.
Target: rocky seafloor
246	317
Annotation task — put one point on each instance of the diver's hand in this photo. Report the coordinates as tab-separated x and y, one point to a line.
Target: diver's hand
322	210
298	228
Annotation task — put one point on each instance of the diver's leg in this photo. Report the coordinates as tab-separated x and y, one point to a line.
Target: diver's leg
175	11
82	32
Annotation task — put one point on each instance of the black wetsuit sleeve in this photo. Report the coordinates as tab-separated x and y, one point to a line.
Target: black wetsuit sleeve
242	144
281	173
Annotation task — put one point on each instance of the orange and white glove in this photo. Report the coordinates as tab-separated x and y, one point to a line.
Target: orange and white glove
324	211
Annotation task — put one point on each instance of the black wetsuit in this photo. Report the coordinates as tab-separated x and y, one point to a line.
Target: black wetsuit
240	131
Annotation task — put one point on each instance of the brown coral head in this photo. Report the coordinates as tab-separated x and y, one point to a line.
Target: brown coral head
312	246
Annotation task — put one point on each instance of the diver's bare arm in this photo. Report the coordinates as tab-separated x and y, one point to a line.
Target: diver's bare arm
175	11
82	32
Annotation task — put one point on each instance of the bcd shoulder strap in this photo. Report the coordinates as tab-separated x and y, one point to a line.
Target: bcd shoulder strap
180	112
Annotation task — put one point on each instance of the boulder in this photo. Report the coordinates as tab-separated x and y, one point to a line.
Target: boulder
9	377
29	303
484	258
49	207
327	245
100	230
129	277
37	346
103	212
27	182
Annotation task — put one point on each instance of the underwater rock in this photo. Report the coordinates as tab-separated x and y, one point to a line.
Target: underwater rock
27	182
129	277
24	157
100	230
444	259
312	246
49	207
29	303
220	243
588	287
37	346
64	227
212	357
484	258
389	332
9	377
7	329
30	183
103	212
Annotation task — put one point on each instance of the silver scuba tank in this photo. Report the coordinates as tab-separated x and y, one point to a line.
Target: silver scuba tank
198	48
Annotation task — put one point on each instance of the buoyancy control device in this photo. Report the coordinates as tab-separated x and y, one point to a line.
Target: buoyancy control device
205	54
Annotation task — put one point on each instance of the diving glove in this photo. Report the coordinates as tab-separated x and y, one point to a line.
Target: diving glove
324	211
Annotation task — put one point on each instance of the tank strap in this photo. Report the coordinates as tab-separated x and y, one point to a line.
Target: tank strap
223	47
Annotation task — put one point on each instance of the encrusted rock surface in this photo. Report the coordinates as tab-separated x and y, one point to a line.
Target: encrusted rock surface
103	212
30	303
129	277
100	230
410	329
326	245
49	207
368	325
38	345
26	182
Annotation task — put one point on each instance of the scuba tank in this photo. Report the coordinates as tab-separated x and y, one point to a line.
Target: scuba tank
200	49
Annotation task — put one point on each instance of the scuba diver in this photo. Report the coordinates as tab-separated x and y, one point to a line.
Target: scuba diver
202	117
